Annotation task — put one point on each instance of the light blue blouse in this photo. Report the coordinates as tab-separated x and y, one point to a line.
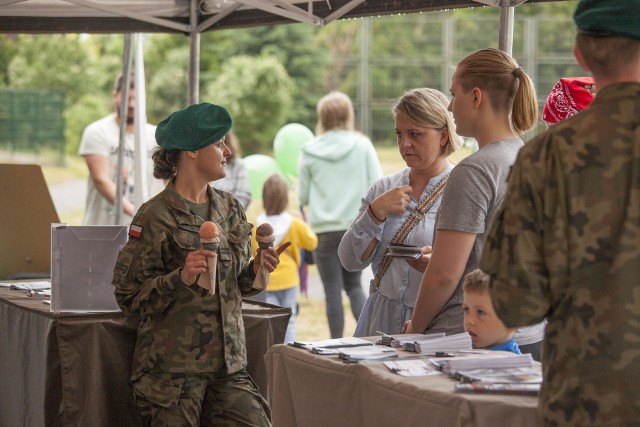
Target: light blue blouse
388	308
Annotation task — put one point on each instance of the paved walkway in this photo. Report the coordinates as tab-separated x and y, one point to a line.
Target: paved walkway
69	196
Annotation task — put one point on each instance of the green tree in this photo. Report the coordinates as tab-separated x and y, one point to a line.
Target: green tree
166	62
53	62
341	40
257	92
295	46
555	8
62	62
107	55
88	109
8	49
168	85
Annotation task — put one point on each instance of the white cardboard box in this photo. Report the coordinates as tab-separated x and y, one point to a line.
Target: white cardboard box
82	261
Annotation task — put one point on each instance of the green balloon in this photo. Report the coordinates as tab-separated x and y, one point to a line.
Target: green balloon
259	168
287	146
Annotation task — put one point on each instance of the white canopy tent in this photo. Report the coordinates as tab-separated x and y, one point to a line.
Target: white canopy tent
193	17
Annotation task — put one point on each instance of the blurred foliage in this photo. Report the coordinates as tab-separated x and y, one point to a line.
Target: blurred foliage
295	46
403	51
257	93
166	65
341	40
88	109
53	62
168	85
8	49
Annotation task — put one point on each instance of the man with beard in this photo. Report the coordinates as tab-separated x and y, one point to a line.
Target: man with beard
100	146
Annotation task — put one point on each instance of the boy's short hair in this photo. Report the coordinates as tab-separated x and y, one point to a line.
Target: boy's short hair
476	281
275	195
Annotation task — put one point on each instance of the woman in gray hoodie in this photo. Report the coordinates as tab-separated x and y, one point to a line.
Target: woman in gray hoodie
335	169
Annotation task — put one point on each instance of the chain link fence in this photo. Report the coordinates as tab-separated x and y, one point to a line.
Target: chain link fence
396	53
32	120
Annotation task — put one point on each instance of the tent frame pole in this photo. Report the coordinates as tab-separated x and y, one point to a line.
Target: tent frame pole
124	102
505	38
194	55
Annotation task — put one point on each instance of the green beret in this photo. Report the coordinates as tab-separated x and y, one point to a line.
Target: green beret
609	18
193	128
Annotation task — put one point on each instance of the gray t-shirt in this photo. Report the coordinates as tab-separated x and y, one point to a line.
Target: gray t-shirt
474	192
471	199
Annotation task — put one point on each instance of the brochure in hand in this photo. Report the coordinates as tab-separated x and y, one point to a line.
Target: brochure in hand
400	250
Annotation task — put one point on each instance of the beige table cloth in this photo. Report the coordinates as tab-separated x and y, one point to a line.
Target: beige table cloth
73	369
312	390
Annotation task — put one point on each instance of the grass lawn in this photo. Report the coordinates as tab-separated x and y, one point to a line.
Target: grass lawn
311	323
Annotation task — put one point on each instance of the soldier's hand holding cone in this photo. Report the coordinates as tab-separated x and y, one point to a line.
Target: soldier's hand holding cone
210	240
265	239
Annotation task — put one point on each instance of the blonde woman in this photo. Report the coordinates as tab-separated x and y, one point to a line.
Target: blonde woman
426	136
493	101
336	168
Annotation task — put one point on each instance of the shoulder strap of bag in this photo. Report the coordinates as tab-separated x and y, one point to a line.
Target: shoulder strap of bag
412	220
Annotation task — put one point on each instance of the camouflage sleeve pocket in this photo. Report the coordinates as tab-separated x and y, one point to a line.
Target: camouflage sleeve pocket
157	391
123	263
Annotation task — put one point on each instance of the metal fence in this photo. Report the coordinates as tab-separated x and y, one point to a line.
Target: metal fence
32	120
427	48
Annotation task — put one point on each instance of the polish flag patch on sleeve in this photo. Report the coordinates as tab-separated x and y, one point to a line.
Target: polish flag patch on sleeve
135	230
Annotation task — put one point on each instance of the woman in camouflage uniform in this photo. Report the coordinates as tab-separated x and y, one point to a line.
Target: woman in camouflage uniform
190	356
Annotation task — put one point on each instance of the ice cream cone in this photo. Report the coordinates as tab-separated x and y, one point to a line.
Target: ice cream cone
210	240
265	239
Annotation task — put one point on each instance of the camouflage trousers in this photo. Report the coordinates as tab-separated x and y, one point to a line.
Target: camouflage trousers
167	399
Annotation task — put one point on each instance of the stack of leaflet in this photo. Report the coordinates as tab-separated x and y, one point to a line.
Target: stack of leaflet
411	368
531	375
373	352
499	361
33	287
524	389
398	340
428	344
29	285
331	346
501	374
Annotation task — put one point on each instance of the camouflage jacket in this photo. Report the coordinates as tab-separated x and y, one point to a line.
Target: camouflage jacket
183	328
566	245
